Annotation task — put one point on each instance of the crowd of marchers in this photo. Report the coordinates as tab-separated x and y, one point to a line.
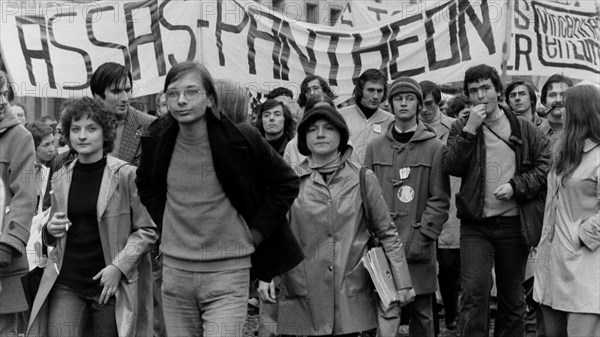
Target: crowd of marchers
168	223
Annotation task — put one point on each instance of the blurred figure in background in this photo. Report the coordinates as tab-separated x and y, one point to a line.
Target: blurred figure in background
459	107
161	104
43	140
19	110
286	96
234	100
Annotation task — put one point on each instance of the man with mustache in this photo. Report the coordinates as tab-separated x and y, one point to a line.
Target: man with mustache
552	97
502	161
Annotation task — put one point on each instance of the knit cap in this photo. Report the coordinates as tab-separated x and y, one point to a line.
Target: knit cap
405	85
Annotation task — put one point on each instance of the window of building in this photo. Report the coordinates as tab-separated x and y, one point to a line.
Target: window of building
334	15
312	13
277	4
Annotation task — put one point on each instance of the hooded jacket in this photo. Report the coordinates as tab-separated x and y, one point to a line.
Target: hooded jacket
418	203
17	206
330	291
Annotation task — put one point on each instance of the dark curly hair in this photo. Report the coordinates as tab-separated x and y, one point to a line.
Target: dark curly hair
38	131
289	125
304	89
95	110
483	72
456	104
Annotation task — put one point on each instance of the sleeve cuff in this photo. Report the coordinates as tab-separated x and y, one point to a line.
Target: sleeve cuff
431	231
589	243
257	236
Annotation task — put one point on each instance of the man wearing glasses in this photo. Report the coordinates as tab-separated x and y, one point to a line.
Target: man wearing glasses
220	193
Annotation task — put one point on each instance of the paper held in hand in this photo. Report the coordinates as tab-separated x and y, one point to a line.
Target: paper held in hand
378	267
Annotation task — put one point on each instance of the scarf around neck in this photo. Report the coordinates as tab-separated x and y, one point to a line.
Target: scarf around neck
328	167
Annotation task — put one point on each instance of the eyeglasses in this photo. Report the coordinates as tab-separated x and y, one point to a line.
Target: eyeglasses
189	93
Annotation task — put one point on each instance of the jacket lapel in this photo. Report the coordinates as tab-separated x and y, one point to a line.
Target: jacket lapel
129	144
107	189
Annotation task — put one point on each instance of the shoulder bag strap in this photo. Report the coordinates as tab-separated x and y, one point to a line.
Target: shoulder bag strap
363	193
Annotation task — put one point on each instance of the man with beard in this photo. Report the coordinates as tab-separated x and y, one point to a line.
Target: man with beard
406	159
366	120
552	97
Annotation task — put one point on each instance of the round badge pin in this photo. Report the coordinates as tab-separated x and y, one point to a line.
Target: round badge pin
406	194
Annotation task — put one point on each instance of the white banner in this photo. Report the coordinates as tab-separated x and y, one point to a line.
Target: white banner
52	50
548	37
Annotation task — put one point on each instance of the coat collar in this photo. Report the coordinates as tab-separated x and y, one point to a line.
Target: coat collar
589	145
447	121
302	169
62	184
423	132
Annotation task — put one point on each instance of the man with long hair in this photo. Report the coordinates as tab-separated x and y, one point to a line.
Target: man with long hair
313	85
503	162
221	195
276	124
366	119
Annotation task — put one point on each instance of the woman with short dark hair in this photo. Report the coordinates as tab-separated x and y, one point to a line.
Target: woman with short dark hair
101	234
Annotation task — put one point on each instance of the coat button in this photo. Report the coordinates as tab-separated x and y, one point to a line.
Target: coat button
330	268
11	225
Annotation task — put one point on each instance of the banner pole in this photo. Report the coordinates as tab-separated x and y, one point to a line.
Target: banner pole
507	38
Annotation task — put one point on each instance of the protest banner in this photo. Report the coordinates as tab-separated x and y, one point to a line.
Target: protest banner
52	50
550	38
545	37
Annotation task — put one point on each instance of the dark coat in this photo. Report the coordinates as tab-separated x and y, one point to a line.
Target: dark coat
464	157
259	184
